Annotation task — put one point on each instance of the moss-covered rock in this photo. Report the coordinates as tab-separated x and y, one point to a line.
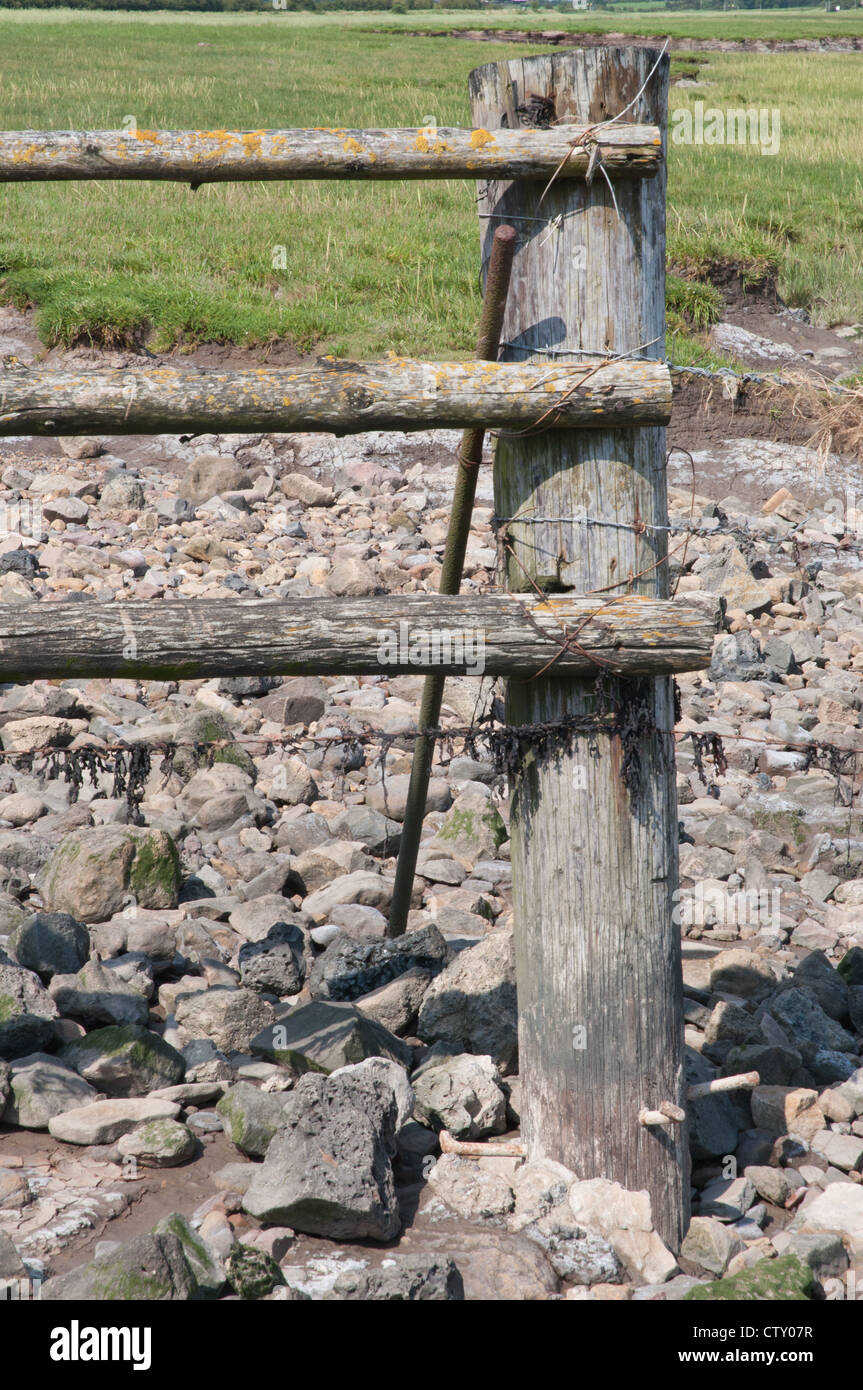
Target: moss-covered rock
148	1268
125	1060
251	1117
208	727
158	1144
473	829
94	870
252	1273
786	1280
207	1270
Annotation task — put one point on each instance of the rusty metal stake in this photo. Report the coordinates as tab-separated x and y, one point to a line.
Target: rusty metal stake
743	1081
666	1114
470	458
502	1148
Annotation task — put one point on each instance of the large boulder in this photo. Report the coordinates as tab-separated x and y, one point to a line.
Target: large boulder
104	1121
97	995
349	969
462	1094
229	1017
799	1013
327	1171
472	1004
94	870
323	1036
42	1087
27	1012
125	1060
148	1268
50	943
838	1208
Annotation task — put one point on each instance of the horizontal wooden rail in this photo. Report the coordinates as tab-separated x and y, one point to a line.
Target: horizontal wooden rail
337	396
209	156
489	634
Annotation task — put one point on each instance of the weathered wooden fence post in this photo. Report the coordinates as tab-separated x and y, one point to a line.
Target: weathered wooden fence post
594	851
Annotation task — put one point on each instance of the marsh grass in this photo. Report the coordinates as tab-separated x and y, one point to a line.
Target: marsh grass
377	266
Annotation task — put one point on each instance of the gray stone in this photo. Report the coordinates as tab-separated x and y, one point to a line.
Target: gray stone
378	1079
27	1012
94	870
472	830
576	1256
208	1271
104	1121
323	1036
460	1093
838	1208
396	1005
710	1244
816	973
737	657
327	1171
363	887
122	493
802	1017
50	943
727	1199
125	1060
11	1264
472	1192
42	1087
389	798
349	969
844	1151
98	995
301	700
367	827
230	1018
772	1184
472	1003
275	964
403	1279
211	475
713	1127
742	973
251	1117
254	919
823	1252
158	1144
147	1268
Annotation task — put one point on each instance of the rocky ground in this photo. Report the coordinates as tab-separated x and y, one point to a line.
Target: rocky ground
221	1080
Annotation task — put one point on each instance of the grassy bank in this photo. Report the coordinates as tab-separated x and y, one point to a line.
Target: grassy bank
377	266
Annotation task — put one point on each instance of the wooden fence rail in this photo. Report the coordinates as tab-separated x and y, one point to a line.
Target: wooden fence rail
210	156
338	396
489	634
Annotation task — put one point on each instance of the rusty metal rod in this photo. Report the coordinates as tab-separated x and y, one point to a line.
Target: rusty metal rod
469	458
743	1081
500	1148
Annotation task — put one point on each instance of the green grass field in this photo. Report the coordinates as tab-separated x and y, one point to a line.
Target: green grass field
374	267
